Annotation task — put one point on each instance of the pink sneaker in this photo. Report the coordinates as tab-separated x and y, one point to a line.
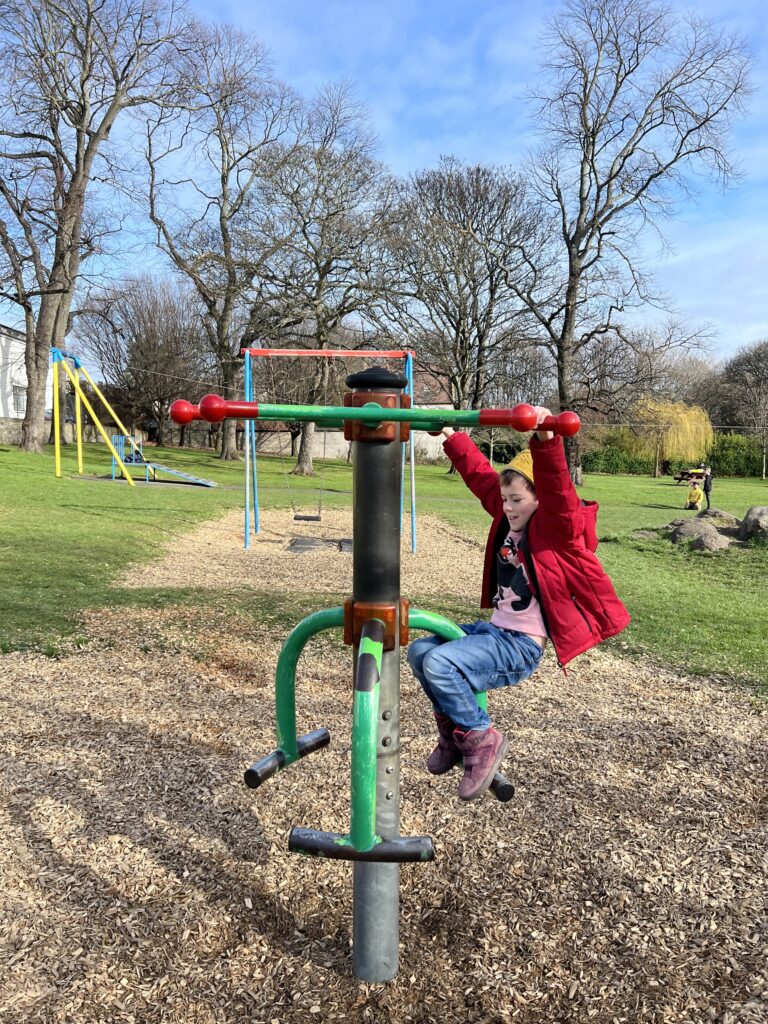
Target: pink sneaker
446	754
483	752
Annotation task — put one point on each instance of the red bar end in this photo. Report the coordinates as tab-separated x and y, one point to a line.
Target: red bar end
183	412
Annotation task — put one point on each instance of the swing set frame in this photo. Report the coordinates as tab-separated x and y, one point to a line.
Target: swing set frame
251	475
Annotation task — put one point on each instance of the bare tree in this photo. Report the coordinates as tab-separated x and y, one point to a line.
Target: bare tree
205	162
639	99
324	212
148	339
744	382
691	378
614	368
454	301
68	69
520	373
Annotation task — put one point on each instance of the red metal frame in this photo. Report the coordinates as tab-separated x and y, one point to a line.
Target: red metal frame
328	353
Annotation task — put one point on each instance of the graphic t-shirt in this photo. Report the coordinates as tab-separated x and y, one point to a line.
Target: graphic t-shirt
514	604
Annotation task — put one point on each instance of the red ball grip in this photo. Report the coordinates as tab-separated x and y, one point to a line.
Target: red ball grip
183	412
523	418
213	409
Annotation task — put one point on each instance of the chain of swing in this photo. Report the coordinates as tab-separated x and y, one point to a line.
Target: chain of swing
298	516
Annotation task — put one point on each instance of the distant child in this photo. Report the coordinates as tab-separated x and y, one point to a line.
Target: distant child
695	495
707	488
542	580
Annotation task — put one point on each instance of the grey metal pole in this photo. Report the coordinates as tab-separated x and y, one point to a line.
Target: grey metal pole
376	578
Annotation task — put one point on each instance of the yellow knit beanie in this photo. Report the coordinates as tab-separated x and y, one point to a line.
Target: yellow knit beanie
523	464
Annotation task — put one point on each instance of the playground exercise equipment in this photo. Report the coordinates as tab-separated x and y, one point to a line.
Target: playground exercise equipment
251	478
376	621
139	464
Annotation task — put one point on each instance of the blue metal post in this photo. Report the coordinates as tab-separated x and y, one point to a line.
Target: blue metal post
254	476
247	446
409	391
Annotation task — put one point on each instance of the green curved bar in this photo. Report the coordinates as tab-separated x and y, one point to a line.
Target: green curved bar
430	622
285	675
440	626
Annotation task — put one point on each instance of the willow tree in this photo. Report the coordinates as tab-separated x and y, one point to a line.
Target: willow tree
671	430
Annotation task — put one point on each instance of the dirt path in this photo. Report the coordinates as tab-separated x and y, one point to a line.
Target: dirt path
143	883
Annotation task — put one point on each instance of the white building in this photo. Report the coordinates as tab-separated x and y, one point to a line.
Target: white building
13	376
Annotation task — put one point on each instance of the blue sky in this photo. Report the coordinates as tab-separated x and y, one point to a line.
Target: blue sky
449	77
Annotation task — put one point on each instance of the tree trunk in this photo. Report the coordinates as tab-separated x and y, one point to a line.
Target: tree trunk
33	425
229	452
36	362
565	369
295	435
317	393
52	324
64	434
304	464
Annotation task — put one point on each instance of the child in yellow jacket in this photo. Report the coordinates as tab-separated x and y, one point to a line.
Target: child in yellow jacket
695	496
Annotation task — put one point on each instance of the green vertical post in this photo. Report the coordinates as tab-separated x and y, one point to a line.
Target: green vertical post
365	734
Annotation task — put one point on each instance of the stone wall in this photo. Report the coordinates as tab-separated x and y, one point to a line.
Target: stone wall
10	430
330	442
273	442
427	448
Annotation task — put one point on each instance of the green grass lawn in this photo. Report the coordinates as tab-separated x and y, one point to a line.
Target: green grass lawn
64	542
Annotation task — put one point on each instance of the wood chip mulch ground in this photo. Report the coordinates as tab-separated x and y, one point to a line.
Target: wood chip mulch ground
141	881
213	557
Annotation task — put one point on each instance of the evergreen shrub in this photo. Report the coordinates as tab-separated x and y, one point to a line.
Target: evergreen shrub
736	455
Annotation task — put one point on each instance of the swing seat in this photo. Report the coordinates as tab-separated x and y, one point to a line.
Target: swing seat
306	519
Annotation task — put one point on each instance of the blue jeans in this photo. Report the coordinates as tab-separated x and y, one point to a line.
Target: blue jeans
453	672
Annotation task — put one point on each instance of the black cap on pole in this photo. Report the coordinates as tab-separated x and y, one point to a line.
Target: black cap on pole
376	377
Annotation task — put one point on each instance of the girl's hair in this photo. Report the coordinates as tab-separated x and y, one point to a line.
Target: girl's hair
506	476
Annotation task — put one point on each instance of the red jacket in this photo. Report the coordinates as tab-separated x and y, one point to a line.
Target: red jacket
578	602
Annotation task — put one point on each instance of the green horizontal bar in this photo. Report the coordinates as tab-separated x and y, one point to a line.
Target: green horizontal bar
422	419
